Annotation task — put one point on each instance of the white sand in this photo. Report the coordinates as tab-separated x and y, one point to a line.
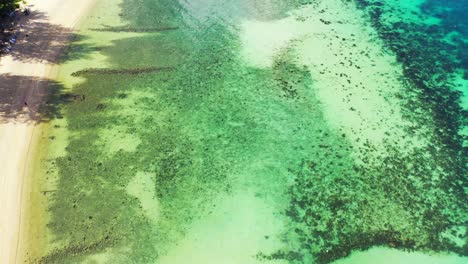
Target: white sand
16	136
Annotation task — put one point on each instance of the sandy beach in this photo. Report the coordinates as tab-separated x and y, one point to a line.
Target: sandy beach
24	76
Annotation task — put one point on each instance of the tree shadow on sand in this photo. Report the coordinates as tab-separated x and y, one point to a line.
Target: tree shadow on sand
29	98
38	40
26	98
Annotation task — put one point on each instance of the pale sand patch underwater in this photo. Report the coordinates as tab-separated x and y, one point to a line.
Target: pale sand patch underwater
142	187
355	79
392	256
239	227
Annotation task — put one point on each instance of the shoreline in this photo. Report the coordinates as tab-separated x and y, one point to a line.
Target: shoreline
18	129
256	145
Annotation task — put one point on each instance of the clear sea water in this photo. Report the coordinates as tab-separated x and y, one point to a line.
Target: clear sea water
264	131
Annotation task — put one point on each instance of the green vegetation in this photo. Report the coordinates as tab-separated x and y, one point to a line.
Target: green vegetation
8	5
6	25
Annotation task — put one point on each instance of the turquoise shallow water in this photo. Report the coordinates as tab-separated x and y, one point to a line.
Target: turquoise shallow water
261	132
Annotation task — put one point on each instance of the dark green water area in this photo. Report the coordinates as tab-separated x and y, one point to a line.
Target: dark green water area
205	125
